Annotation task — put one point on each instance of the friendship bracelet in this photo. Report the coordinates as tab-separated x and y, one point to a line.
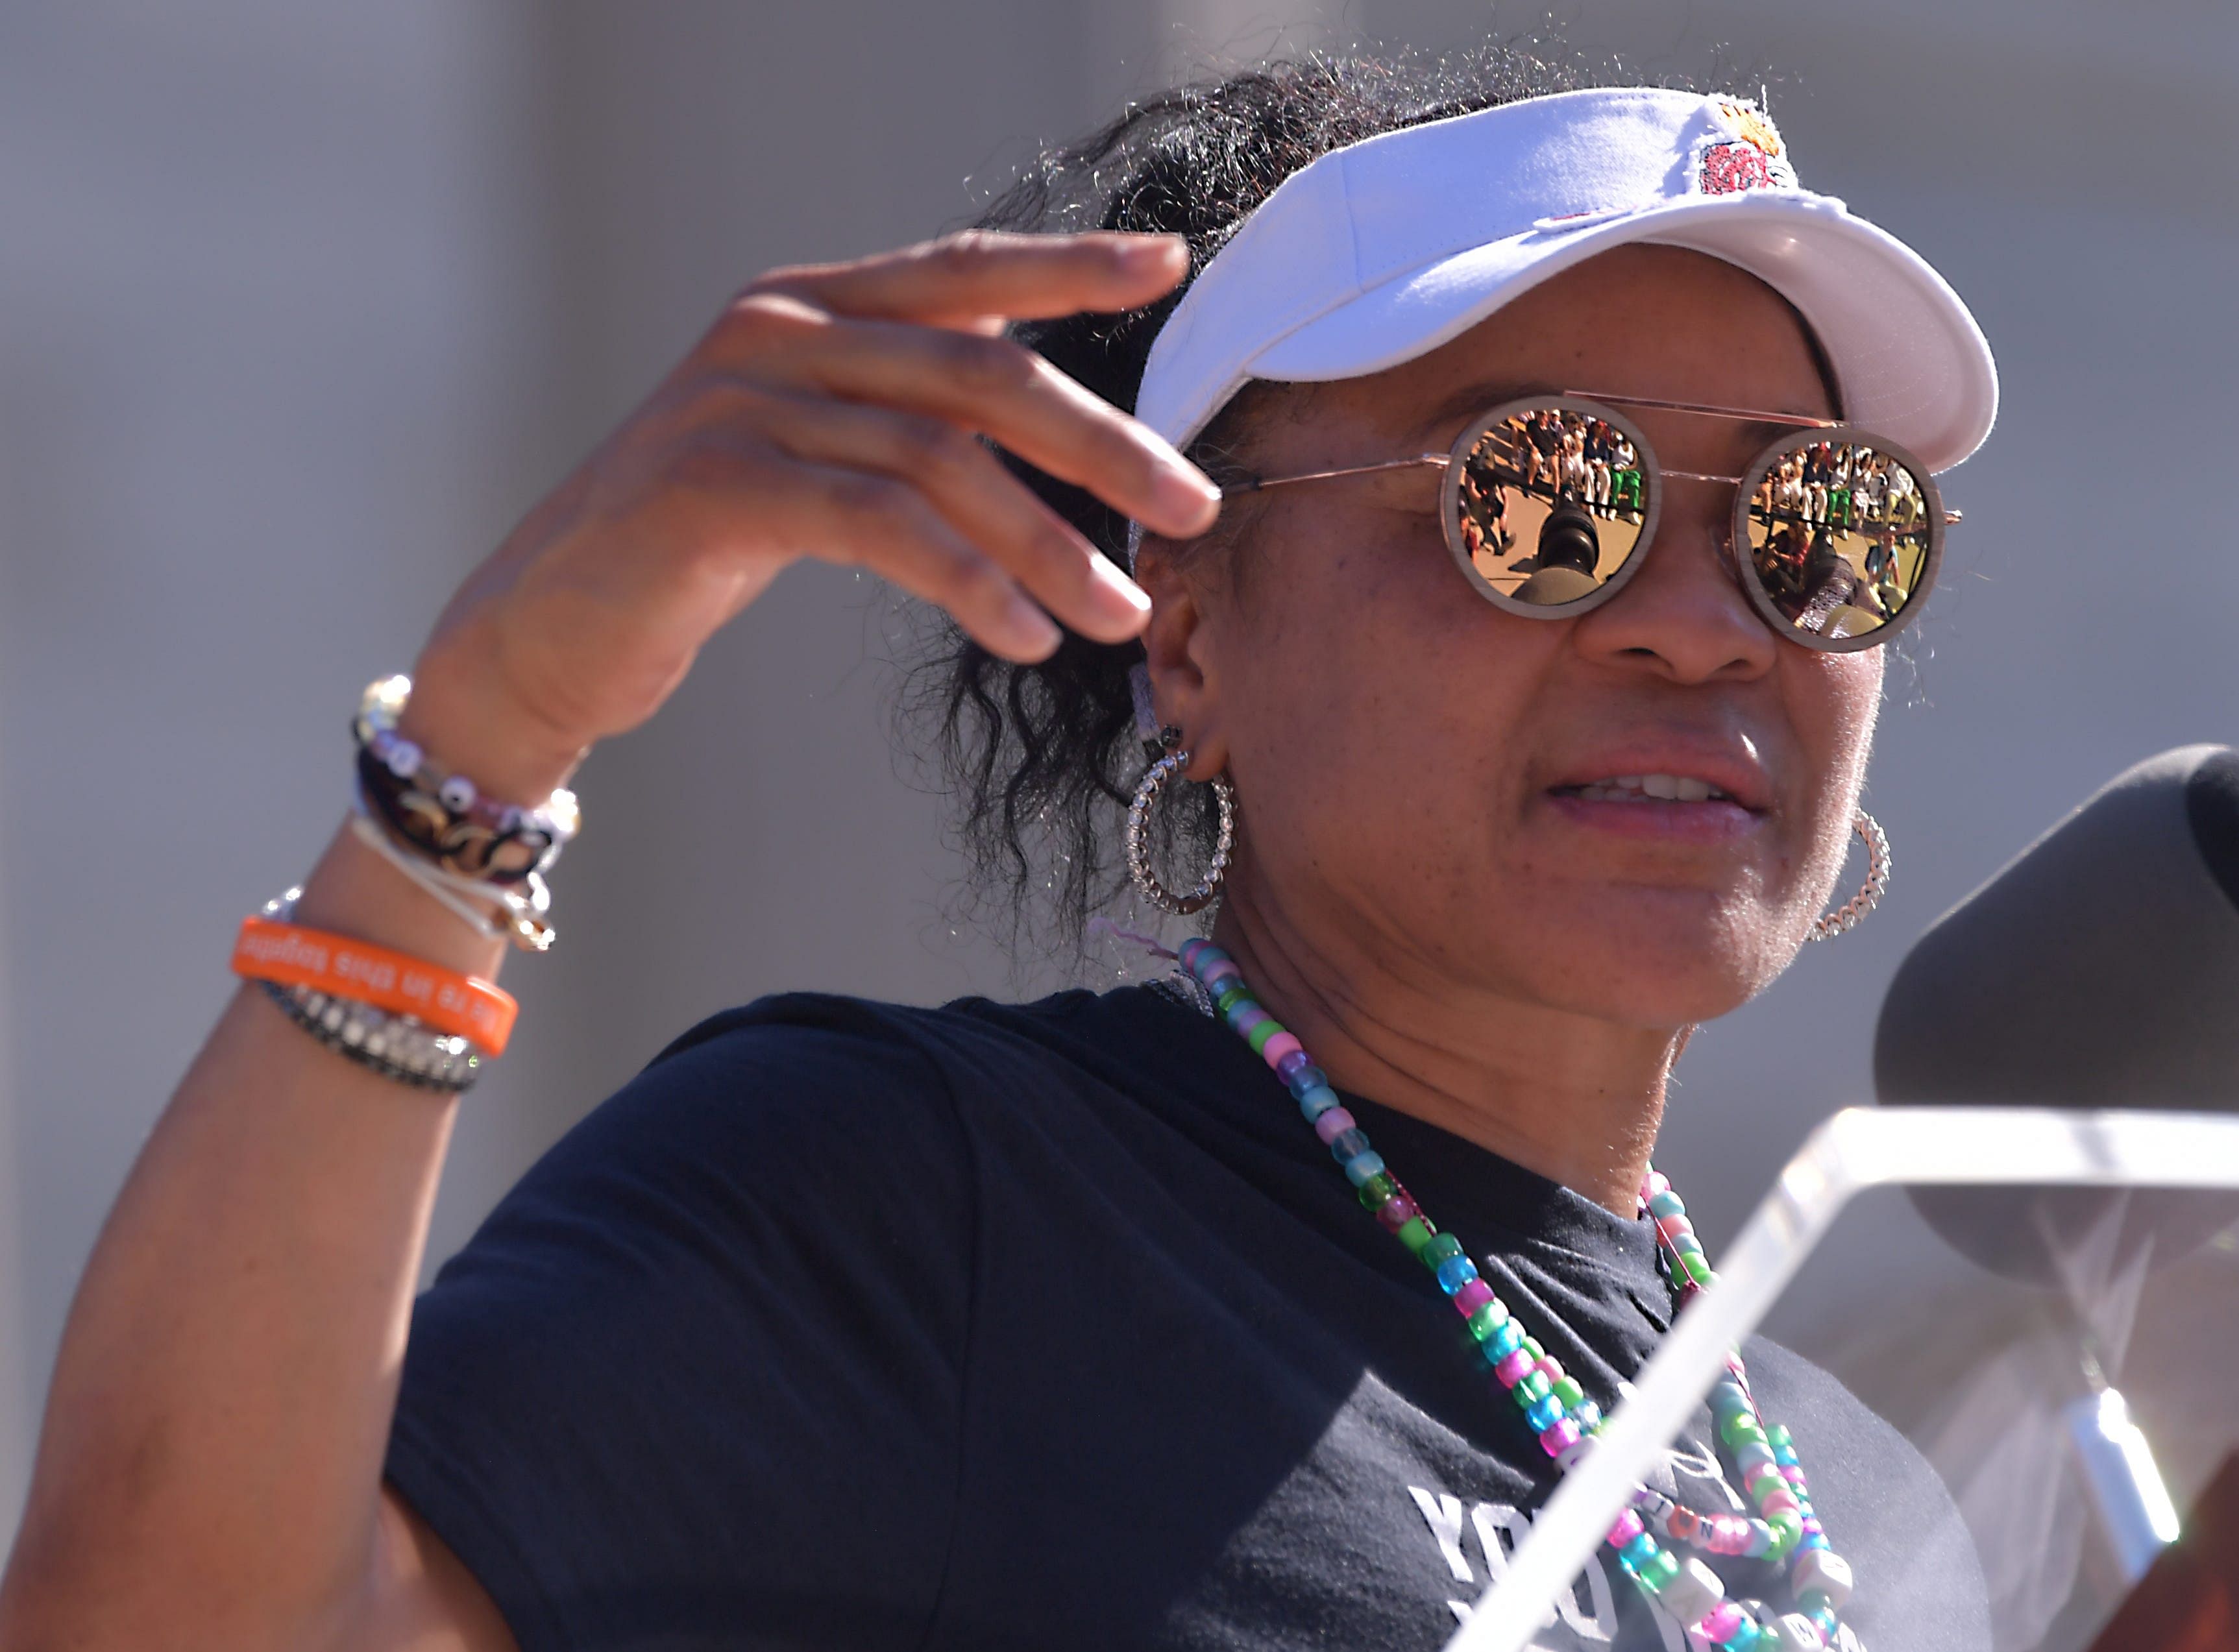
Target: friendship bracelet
371	832
443	815
390	1045
445	1001
524	924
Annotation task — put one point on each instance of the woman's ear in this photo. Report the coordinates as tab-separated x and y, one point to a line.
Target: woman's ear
1178	645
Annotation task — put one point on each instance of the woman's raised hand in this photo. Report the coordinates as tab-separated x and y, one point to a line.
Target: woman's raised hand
833	412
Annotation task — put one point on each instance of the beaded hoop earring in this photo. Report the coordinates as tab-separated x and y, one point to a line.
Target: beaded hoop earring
1853	912
1138	842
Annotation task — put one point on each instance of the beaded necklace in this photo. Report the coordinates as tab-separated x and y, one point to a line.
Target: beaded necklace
1560	1416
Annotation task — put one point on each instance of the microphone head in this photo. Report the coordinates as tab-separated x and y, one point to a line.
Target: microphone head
2099	969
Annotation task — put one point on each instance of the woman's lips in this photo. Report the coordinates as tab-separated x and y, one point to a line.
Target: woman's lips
1669	822
1643	788
1672	807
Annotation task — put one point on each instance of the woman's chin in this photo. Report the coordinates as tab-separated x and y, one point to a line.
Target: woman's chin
1669	963
1678	1003
1633	992
1678	985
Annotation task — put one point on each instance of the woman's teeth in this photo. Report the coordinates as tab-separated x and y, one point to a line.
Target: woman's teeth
1641	788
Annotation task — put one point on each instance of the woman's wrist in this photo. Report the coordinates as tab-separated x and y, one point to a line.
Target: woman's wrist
354	891
470	722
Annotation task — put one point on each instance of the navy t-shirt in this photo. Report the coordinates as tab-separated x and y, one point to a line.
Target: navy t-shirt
852	1325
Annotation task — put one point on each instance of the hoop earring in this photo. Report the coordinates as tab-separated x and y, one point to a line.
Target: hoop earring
1139	844
1853	912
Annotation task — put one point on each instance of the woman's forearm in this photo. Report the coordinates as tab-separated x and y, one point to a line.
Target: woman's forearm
210	1471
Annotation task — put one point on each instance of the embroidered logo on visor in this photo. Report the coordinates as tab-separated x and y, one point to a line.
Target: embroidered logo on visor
1743	151
1730	167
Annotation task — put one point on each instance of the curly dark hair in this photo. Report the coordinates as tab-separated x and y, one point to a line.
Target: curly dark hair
1040	760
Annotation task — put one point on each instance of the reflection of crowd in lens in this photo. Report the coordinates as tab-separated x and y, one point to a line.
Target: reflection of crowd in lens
1567	455
1839	533
1586	468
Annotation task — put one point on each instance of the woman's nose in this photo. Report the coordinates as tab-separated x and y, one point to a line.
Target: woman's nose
1683	615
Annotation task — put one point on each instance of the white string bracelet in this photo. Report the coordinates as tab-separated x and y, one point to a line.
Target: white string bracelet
467	898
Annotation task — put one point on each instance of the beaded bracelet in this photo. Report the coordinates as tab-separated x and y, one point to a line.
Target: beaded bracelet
390	1045
443	815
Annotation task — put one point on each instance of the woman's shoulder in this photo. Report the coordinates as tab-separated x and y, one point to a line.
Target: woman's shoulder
782	1123
823	1037
811	1109
822	1065
854	1085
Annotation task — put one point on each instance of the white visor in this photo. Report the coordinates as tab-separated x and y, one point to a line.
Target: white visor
1381	252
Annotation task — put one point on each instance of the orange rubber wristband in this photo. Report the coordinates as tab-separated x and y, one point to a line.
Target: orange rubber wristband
462	1005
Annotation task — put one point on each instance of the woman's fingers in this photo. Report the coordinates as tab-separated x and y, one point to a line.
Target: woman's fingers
961	279
831	412
883	524
991	385
965	483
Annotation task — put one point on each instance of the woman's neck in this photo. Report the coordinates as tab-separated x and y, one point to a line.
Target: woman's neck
1576	1099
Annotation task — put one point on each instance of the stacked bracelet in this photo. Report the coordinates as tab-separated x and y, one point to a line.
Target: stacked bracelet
272	949
444	815
390	1045
472	902
483	860
404	1018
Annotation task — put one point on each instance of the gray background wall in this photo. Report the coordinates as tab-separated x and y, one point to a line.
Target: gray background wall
299	307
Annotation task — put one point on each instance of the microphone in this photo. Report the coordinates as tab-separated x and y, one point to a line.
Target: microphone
2099	969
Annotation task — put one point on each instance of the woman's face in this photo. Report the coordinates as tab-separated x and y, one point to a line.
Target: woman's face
1409	759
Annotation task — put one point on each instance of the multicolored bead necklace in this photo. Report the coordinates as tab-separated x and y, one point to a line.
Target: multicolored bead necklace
1560	1416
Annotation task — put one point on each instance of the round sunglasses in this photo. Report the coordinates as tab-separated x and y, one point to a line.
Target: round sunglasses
1549	503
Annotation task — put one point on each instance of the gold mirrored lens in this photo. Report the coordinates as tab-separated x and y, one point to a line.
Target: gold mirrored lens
1552	500
1839	536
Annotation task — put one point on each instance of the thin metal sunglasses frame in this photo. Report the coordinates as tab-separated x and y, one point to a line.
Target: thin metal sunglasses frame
1933	519
1740	416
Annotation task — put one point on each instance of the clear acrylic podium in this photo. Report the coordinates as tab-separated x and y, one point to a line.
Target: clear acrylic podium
2044	1305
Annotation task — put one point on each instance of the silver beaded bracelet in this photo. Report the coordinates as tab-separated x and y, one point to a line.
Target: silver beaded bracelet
395	1046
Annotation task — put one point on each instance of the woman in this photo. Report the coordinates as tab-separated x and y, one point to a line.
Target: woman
854	1324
